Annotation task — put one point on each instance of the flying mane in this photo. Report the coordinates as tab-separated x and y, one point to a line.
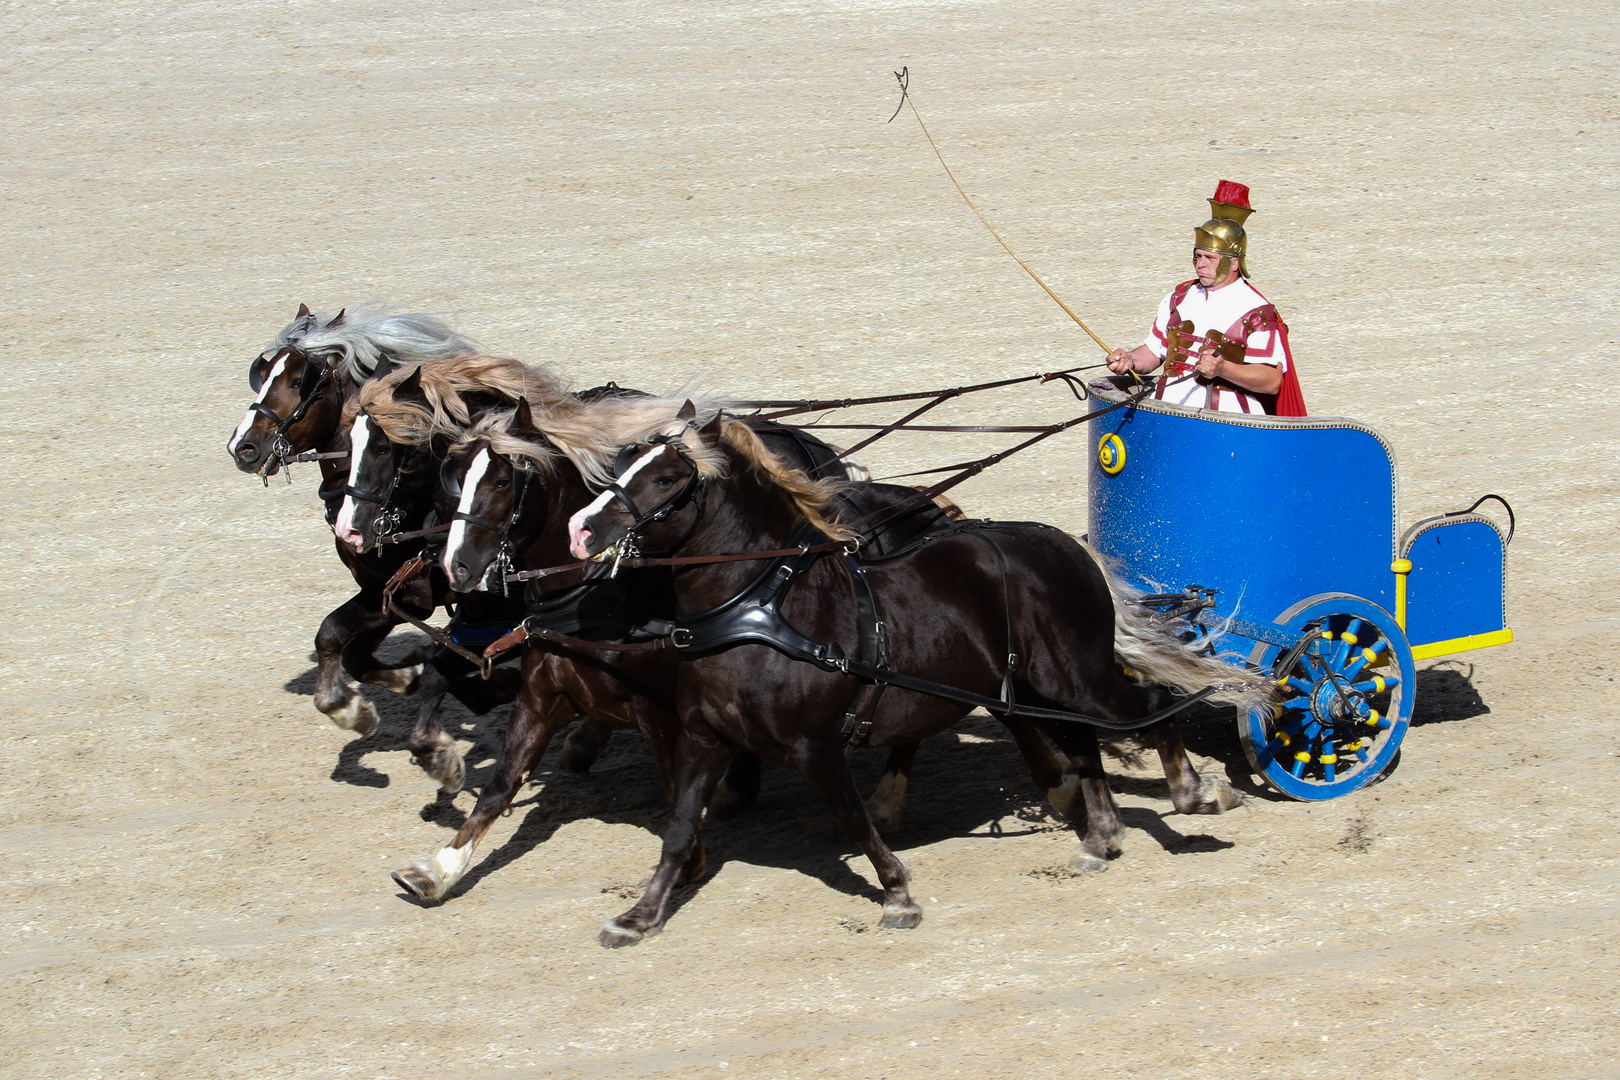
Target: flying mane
368	332
444	384
590	434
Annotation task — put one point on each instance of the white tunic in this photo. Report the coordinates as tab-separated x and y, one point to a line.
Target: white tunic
1237	311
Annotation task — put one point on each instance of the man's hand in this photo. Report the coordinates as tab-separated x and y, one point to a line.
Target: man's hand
1119	362
1211	365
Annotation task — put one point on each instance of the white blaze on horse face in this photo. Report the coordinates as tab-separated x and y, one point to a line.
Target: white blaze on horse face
359	440
576	524
469	492
264	390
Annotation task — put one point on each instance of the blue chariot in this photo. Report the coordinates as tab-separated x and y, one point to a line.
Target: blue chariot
1284	532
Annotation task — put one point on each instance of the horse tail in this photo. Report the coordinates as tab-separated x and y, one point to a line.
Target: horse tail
1150	653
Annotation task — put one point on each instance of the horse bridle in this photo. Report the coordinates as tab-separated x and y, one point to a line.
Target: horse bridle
309	389
506	556
695	489
389	516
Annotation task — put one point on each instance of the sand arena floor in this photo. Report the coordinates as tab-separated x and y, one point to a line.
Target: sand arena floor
662	193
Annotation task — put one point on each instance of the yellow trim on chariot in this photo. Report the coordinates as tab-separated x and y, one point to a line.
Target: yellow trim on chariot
1401	567
1461	644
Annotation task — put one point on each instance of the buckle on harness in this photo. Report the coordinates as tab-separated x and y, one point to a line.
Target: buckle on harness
681	637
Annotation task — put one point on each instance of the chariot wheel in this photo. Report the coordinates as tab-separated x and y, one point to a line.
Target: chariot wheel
1344	703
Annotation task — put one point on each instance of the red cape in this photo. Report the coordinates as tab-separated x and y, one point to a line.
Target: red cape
1289	399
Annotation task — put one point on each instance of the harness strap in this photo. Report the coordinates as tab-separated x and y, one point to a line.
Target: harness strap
639	562
872	647
1007	695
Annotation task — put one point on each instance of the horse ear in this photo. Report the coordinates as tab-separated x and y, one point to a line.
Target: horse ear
303	311
688	411
384	366
523	419
711	430
337	320
410	387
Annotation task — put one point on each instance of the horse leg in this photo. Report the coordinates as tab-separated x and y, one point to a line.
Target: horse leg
1060	781
481	695
535	718
583	746
431	746
1189	793
739	787
824	767
359	656
887	806
694	766
1103	832
360	660
334	694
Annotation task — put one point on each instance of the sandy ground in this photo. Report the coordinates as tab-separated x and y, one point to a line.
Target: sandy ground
661	193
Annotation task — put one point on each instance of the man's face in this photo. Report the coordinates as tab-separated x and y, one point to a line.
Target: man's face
1207	263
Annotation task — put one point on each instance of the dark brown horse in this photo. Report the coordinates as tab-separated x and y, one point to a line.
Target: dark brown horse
516	489
306	376
1011	613
400	426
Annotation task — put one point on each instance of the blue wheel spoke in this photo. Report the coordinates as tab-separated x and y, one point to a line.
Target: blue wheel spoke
1347	641
1366	658
1330	762
1377	684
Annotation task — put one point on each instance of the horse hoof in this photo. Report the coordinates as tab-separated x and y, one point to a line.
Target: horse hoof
404	680
1087	863
1229	797
575	760
1214	796
357	715
453	774
614	936
900	916
421	879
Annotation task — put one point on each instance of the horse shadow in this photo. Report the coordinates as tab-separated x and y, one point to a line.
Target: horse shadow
396	718
970	782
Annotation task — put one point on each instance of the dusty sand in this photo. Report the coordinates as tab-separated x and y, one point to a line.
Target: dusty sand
658	193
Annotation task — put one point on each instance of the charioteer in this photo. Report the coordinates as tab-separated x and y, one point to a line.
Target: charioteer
1222	345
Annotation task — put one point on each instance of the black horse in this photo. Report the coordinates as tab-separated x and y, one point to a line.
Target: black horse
514	499
1005	612
304	380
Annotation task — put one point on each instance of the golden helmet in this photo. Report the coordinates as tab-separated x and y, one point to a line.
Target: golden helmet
1223	232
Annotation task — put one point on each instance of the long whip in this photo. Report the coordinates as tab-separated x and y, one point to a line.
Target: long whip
904	77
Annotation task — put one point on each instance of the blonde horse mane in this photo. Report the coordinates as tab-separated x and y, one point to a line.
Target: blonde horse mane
808	497
588	433
443	383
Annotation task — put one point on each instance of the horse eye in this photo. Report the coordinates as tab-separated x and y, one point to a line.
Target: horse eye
664	482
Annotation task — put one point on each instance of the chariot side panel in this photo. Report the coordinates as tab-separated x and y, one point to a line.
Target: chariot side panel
1266	510
1454	591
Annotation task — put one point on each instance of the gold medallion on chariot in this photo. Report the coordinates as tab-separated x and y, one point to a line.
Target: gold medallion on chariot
1111	454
